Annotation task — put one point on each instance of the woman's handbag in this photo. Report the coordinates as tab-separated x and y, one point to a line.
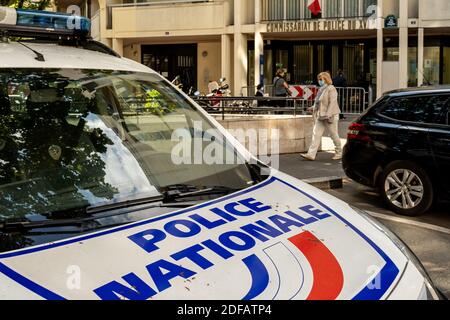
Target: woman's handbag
323	110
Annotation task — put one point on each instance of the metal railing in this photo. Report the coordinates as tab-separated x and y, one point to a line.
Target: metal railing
277	10
352	100
254	105
249	91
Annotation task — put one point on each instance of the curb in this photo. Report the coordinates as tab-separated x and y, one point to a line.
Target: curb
326	183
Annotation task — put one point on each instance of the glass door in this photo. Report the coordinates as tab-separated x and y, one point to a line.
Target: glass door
354	64
431	66
446	66
303	72
173	60
412	67
157	62
282	62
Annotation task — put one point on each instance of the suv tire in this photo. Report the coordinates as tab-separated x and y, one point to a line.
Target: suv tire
406	188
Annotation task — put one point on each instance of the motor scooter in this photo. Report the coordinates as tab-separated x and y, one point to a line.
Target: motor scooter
223	90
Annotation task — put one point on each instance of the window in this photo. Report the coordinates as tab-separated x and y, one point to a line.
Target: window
73	138
436	106
303	64
425	109
445	119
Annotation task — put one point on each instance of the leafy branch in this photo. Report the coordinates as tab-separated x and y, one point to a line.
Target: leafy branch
26	4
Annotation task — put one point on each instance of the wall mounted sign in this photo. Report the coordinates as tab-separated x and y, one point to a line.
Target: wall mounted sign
318	25
391	22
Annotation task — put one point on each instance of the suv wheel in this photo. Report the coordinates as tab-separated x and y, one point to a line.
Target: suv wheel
406	188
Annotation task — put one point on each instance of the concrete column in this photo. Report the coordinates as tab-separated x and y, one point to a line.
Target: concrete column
226	56
259	51
420	45
380	44
240	62
240	50
117	45
403	45
103	20
259	43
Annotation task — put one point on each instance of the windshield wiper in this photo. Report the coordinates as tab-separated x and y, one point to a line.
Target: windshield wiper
180	191
168	198
87	215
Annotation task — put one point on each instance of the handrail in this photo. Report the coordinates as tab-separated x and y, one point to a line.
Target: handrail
254	105
275	10
320	19
352	100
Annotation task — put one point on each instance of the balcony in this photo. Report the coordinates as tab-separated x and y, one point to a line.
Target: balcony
161	17
283	10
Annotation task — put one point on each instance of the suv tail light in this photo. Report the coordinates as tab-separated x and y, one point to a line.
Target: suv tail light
356	132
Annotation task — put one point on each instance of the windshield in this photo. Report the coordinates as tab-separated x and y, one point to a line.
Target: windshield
76	138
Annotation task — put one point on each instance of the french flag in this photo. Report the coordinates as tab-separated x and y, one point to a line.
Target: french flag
314	7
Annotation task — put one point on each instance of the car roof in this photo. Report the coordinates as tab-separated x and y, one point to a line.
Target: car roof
16	55
419	90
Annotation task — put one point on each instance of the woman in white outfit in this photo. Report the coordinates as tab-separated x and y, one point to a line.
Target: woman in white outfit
326	117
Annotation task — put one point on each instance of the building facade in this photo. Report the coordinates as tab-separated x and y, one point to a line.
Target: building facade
381	44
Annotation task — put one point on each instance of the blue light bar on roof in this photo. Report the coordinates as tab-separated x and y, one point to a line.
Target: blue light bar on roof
52	20
46	20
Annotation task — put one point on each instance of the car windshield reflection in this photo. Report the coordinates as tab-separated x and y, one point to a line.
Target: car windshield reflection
74	138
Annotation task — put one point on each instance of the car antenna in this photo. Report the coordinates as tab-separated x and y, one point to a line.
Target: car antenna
39	56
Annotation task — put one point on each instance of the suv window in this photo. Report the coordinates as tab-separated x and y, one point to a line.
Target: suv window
447	117
423	109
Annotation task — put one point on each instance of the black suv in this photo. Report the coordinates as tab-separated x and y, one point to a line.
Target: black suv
402	146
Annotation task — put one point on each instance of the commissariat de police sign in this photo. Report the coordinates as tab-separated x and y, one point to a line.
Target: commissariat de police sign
319	25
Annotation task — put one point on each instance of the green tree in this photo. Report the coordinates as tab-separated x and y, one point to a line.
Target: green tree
27	4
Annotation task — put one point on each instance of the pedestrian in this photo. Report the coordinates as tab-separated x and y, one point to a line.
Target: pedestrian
259	90
281	88
326	117
259	93
339	81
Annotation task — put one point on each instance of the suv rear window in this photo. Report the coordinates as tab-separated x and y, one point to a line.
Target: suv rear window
422	109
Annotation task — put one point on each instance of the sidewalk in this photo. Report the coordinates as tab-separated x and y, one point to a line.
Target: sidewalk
294	165
323	166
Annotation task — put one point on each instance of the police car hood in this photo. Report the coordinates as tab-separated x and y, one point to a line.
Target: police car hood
280	239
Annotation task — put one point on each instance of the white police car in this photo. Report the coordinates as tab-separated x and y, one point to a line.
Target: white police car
96	201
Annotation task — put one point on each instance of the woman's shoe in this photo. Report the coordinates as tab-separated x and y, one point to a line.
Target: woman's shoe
307	157
337	157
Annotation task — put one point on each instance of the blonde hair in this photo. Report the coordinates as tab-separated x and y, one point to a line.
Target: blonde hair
326	77
280	72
